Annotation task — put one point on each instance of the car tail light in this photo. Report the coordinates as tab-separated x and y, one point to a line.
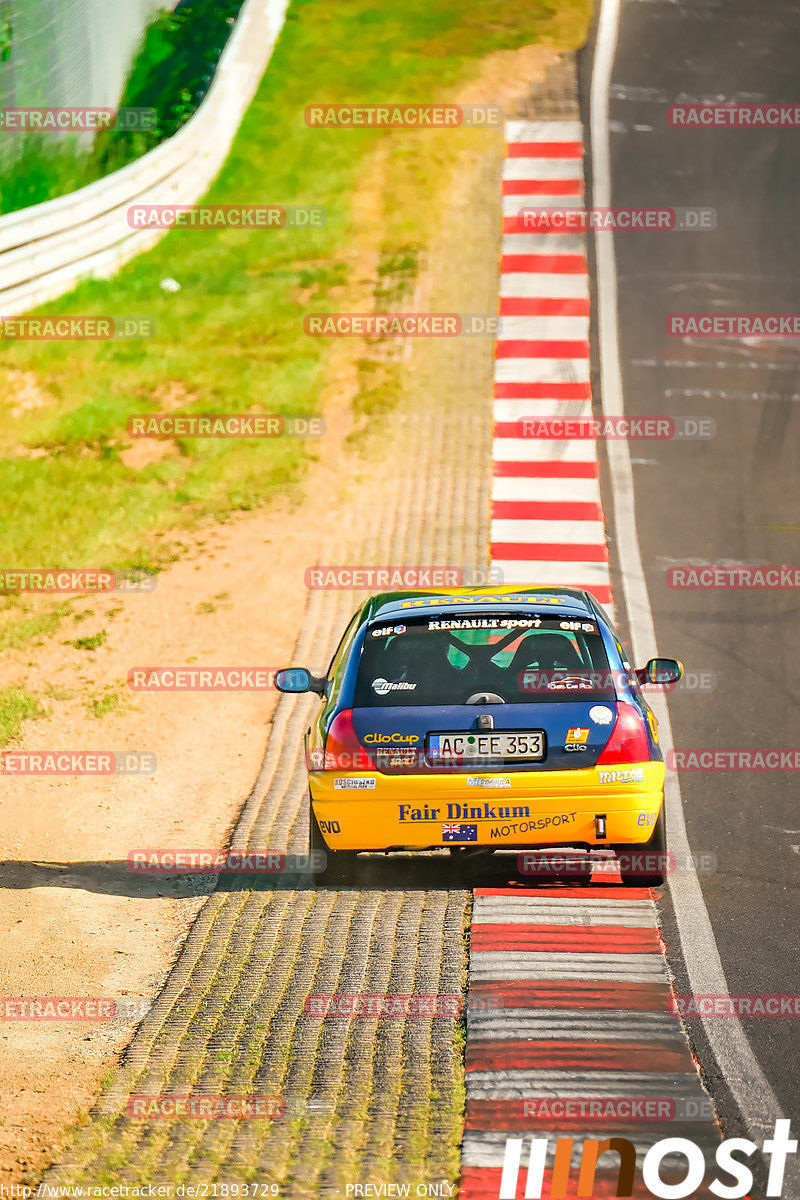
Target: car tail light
343	750
628	741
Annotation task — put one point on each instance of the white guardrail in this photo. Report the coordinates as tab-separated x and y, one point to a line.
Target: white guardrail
48	248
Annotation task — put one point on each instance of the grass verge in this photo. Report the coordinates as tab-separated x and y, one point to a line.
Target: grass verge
231	340
16	706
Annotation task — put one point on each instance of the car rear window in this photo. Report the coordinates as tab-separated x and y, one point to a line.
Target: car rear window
453	659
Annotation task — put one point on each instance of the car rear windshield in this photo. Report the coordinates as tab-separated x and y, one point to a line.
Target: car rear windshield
456	660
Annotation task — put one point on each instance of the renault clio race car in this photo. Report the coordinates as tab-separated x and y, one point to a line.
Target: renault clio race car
484	720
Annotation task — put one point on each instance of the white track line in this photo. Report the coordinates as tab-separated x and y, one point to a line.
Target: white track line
541	410
615	966
564	911
729	1043
523	242
519	1083
536	1024
542	370
555	328
554	574
544	131
566	533
544	285
543	168
539	450
514	201
582	490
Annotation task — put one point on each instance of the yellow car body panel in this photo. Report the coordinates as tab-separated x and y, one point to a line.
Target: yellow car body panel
370	810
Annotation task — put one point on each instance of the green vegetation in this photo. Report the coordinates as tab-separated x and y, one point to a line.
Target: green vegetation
20	622
171	74
42	170
16	706
98	706
220	600
89	643
231	340
77	490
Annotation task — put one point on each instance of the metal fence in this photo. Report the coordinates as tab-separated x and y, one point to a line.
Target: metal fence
67	53
47	248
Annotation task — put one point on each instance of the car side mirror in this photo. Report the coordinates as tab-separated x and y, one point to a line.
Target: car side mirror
660	672
298	679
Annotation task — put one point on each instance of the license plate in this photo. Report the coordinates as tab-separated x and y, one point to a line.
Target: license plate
450	747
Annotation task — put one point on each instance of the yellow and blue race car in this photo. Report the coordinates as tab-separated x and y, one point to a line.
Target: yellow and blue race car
485	720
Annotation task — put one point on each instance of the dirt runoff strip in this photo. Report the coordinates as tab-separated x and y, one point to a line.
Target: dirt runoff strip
344	1102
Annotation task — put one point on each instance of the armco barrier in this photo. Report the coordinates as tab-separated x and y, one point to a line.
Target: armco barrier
48	248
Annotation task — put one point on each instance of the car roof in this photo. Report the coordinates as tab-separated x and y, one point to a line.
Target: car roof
559	601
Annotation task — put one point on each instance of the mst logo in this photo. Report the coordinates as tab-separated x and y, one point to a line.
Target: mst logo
692	1166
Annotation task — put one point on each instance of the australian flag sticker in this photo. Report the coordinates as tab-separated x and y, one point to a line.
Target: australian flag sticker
459	833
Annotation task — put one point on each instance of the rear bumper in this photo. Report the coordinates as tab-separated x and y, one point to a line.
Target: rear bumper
372	811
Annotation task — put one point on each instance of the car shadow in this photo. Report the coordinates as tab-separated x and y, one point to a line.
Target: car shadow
393	872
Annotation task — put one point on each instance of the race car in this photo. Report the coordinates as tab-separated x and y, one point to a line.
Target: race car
485	720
